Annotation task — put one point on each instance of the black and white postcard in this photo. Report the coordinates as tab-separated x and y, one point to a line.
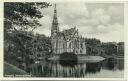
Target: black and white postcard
75	39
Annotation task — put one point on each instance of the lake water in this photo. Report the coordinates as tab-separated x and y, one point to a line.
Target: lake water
109	68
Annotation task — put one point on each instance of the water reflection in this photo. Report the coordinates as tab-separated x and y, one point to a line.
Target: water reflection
93	67
113	64
76	69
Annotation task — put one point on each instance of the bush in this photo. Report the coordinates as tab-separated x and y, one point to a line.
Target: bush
68	59
68	56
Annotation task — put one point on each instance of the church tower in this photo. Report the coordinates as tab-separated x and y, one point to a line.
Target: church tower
54	32
55	28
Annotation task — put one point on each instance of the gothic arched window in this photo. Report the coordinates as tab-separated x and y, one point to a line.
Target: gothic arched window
70	45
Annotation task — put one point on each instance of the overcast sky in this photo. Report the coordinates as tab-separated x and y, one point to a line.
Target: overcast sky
104	21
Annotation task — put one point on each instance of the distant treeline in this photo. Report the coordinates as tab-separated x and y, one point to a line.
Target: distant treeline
96	47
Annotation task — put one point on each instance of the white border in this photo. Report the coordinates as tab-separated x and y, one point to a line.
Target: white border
1	40
126	38
54	1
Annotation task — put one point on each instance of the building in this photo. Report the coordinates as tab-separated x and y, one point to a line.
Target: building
67	40
120	49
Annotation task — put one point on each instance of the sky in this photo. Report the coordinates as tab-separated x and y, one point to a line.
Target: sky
104	21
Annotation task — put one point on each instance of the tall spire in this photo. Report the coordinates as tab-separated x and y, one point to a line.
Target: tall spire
55	9
55	27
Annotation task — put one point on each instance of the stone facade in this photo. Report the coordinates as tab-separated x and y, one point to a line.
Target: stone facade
67	40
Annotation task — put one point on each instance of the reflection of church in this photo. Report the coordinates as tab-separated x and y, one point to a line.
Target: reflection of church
67	40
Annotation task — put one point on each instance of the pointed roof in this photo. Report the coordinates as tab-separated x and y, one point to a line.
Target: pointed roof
55	20
70	31
55	9
55	27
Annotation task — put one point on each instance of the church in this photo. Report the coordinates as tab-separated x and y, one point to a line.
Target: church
67	40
